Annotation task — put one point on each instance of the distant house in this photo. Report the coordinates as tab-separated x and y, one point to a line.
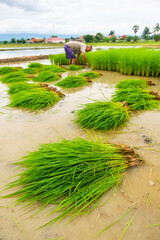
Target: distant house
55	40
37	40
123	37
110	36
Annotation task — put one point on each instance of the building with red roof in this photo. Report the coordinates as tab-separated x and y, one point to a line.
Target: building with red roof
55	40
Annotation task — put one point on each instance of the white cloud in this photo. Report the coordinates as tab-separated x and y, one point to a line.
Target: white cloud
77	17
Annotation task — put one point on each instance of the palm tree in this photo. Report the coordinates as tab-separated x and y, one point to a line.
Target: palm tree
135	28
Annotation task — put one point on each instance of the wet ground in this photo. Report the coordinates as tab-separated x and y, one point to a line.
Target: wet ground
22	131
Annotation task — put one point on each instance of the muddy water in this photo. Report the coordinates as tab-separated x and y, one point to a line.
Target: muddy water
22	131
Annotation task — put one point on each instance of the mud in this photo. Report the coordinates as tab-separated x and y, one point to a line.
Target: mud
22	131
25	59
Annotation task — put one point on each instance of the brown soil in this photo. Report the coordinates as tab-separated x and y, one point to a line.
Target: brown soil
20	59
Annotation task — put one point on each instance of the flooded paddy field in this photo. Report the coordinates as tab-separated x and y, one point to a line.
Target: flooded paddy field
22	132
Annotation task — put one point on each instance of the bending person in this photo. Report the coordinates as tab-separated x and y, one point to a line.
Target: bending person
73	47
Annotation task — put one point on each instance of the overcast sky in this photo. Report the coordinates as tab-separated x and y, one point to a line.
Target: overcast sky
77	17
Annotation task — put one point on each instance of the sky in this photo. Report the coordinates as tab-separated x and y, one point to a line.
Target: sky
78	17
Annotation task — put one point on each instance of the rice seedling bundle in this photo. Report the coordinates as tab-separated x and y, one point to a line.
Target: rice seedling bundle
18	87
30	70
90	74
74	67
54	68
34	99
38	66
72	82
102	115
6	70
140	83
14	77
73	175
137	99
46	76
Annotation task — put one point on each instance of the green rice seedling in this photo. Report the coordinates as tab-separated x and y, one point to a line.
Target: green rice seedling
34	100
72	82
36	65
90	74
60	59
102	115
137	99
6	70
74	67
30	70
72	175
15	77
18	87
46	76
129	83
54	68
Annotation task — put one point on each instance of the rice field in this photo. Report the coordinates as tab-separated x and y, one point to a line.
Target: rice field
66	179
140	62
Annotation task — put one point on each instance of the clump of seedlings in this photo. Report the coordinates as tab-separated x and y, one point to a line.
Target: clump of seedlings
72	175
54	68
102	115
38	66
74	67
90	74
6	70
18	87
47	76
34	100
14	77
73	82
30	70
129	83
136	98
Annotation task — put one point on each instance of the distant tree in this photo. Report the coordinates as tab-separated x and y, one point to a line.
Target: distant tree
88	38
111	32
72	38
22	40
135	28
5	42
13	40
129	38
99	37
54	36
146	33
135	38
113	39
156	28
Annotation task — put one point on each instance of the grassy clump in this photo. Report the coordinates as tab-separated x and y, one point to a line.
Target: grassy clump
47	76
90	74
30	70
6	70
34	100
74	67
18	87
73	175
72	82
36	65
129	83
60	59
15	77
54	68
102	115
137	99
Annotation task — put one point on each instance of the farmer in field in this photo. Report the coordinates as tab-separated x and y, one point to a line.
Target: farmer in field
72	48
